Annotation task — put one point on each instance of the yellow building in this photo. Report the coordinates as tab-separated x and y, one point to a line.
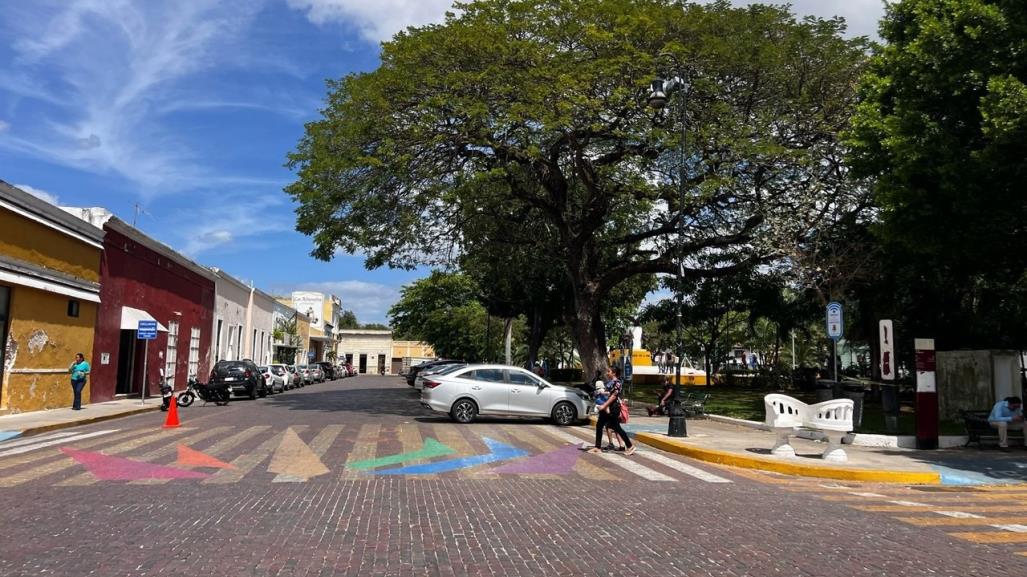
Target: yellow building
49	291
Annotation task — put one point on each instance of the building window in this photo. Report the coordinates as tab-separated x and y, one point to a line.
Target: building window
217	343
73	308
231	344
253	347
171	357
194	351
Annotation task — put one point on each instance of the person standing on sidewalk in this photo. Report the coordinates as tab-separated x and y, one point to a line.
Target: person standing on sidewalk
608	413
79	371
1007	414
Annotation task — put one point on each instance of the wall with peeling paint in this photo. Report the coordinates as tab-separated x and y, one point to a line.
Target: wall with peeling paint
41	344
35	243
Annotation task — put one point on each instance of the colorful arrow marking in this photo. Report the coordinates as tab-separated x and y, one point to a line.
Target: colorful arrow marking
294	461
497	452
189	457
557	462
429	450
108	468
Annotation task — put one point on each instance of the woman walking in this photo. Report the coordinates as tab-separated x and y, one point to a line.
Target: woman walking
608	413
79	370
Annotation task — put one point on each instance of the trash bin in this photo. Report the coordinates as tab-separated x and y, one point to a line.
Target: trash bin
824	390
856	393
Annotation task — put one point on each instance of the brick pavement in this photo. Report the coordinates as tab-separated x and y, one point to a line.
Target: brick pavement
474	521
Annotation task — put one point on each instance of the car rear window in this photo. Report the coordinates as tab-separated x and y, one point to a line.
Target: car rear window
230	367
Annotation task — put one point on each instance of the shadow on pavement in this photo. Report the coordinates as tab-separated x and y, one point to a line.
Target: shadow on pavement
986	464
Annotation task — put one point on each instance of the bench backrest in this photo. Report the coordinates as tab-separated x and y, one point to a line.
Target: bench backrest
834	415
784	411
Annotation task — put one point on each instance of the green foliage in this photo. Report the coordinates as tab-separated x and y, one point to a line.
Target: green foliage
443	310
348	320
942	126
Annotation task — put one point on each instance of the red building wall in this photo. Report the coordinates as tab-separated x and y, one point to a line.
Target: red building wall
133	275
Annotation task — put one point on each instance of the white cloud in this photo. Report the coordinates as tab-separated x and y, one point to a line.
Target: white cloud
4	126
376	21
861	16
231	222
370	302
108	69
39	193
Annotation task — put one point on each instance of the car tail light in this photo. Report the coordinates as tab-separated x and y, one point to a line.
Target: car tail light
248	373
431	384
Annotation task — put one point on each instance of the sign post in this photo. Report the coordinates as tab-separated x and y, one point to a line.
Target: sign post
886	363
835	330
146	332
926	395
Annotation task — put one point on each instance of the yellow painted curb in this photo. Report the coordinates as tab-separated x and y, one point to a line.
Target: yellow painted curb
788	468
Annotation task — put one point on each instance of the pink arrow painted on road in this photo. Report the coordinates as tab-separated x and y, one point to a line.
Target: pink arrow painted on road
108	468
557	462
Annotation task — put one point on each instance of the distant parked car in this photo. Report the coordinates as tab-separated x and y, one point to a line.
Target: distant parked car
474	390
317	374
297	376
412	375
436	370
274	376
241	377
288	379
329	370
351	370
307	372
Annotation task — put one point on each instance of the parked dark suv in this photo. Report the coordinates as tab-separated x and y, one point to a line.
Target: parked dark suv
412	375
328	370
242	378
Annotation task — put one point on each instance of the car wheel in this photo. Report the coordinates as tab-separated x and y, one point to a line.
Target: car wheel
262	392
564	414
464	411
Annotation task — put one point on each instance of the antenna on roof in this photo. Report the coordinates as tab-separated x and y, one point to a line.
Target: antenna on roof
139	210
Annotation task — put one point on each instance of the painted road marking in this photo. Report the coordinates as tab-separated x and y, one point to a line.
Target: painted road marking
682	467
140	438
160	452
1013	527
497	452
32	447
429	450
107	468
621	461
247	461
959	514
224	445
992	537
31	440
294	461
535	439
189	458
971	508
958	521
450	436
364	449
556	462
39	456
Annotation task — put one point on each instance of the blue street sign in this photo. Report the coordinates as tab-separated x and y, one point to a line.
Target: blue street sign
147	330
311	355
628	370
835	321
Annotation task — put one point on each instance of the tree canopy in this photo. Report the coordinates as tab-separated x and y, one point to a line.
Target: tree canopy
539	107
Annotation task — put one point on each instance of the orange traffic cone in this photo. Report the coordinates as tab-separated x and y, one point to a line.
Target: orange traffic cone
172	420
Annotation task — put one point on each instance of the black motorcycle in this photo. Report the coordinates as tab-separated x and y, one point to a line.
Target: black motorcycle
210	393
166	392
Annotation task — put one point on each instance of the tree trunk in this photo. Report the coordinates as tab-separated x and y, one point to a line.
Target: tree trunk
534	337
508	340
588	330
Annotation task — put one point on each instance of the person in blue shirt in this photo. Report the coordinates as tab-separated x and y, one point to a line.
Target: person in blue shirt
79	371
1007	414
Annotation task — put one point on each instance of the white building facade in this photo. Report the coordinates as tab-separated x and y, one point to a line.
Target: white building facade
260	327
368	350
231	312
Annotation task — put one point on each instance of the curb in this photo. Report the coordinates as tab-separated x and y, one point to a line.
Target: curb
800	469
68	424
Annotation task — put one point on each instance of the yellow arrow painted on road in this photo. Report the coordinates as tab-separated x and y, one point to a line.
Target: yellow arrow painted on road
294	461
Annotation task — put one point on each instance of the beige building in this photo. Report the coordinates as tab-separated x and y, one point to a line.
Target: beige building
374	352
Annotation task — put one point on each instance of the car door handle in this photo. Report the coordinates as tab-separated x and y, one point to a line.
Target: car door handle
476	388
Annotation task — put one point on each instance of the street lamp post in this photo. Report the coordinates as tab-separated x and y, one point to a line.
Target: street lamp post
661	90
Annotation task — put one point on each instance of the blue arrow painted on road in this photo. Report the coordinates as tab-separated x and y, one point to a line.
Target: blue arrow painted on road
497	452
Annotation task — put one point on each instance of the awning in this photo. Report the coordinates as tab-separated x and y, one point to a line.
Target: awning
130	318
322	339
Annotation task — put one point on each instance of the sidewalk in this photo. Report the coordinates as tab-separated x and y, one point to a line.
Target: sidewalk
23	424
750	448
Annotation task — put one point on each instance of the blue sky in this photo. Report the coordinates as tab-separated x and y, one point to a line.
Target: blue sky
188	109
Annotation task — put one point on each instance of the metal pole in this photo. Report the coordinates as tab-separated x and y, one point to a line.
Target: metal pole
146	351
682	175
834	357
794	365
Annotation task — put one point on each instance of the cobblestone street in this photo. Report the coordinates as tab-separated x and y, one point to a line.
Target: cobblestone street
353	477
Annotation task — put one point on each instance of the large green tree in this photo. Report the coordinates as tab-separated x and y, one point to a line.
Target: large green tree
942	127
542	104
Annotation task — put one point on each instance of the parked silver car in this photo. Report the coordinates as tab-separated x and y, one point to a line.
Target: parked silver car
473	390
274	378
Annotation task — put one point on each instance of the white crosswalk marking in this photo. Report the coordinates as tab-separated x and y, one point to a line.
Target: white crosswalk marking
1013	528
67	439
682	467
959	514
624	463
31	440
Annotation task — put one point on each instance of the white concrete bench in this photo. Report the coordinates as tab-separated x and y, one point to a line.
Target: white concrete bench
785	415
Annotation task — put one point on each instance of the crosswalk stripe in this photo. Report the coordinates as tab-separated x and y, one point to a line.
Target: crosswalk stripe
524	435
1013	527
410	439
968	508
959	514
932	499
245	463
86	479
52	442
682	467
957	521
992	537
626	463
140	438
35	439
220	447
363	448
451	437
32	457
318	447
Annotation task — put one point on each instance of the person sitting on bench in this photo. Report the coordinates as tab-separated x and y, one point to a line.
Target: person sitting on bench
1007	414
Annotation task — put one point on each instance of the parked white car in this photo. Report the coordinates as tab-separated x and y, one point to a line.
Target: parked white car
274	380
439	370
473	390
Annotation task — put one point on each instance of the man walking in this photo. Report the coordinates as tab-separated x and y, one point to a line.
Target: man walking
1007	414
79	370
